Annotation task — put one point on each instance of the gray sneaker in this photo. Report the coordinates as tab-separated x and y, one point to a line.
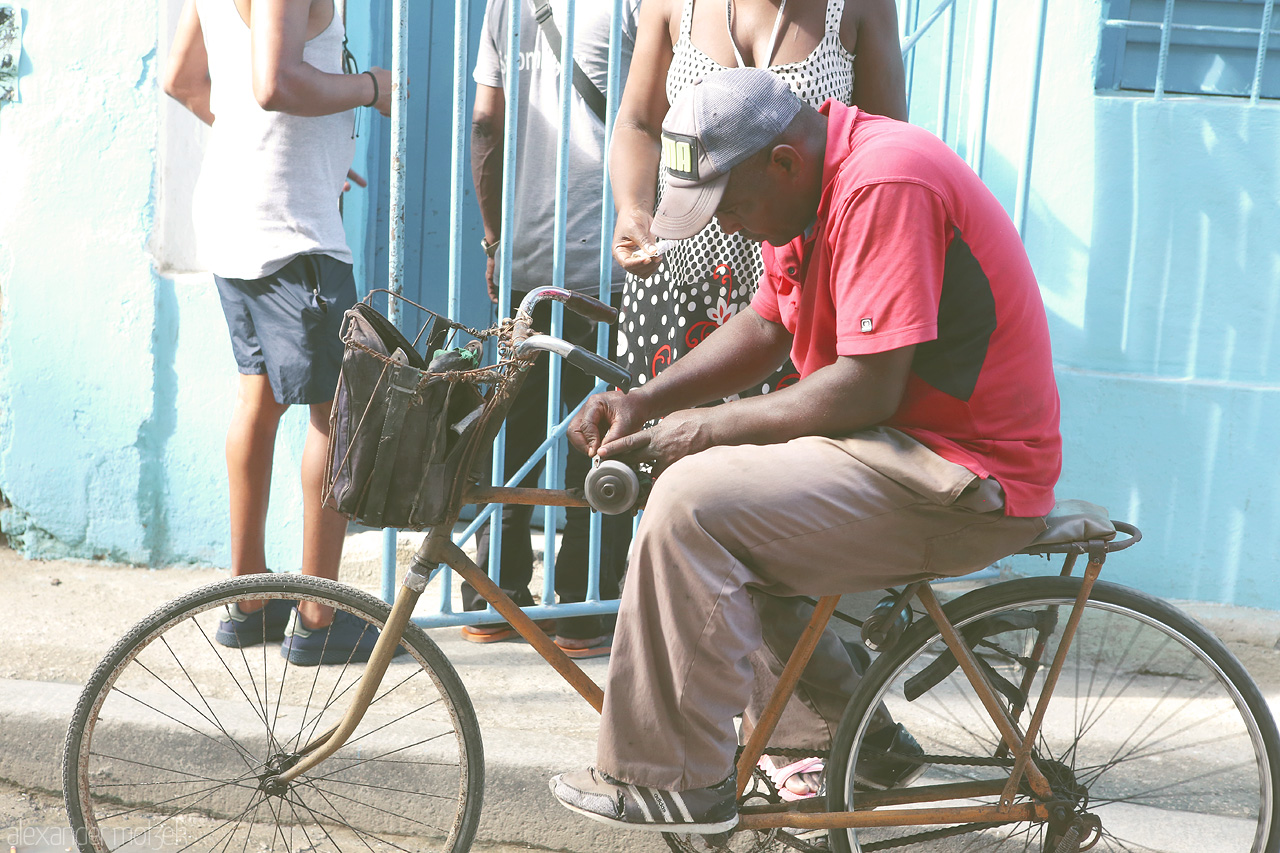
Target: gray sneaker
701	811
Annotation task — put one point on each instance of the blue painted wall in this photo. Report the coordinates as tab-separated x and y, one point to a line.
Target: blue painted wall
1152	227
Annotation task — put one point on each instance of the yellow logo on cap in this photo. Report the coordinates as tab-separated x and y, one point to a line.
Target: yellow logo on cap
679	156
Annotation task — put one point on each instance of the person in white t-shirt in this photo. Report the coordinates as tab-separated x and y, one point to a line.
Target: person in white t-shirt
532	247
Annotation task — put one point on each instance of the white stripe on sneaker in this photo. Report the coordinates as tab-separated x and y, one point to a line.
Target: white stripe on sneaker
639	797
680	804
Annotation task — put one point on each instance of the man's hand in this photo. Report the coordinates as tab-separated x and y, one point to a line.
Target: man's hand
606	418
676	436
353	177
490	276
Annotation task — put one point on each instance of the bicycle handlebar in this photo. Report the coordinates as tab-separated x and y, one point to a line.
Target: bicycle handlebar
578	303
583	359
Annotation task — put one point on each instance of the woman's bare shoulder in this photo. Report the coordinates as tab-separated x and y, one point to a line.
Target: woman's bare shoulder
878	16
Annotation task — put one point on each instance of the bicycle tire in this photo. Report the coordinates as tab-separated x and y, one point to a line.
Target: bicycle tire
173	733
1155	727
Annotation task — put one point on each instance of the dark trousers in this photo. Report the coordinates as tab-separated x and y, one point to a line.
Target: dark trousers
526	429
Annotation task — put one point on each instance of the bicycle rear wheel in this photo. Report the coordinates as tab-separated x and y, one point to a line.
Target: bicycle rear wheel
1154	728
174	733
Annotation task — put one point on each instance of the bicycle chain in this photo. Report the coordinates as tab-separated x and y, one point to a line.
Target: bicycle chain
932	835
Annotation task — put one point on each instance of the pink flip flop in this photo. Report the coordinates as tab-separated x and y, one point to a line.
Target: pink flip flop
779	775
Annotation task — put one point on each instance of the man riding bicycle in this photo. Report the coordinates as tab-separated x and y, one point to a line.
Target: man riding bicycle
921	440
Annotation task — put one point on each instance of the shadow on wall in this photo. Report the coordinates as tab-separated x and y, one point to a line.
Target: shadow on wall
1170	380
155	432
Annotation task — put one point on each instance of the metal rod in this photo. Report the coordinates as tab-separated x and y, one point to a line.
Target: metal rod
921	29
782	691
1263	39
1166	30
458	155
522	623
1033	108
317	751
1123	24
978	129
944	100
395	251
522	497
986	694
893	817
1091	573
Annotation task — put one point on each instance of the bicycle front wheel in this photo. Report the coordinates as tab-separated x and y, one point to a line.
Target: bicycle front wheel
175	734
1155	732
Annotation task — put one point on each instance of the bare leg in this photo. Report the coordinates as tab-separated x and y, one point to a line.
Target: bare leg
323	529
251	440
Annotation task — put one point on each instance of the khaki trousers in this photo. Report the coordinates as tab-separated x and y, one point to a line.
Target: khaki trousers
815	516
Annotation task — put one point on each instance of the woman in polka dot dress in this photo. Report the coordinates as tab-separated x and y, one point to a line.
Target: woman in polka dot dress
843	49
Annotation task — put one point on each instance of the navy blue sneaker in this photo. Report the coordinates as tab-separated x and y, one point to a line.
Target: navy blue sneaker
348	639
266	624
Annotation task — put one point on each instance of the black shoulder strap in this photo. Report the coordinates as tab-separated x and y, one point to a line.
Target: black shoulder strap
590	93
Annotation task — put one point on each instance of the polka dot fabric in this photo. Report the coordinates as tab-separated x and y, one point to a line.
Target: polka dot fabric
708	278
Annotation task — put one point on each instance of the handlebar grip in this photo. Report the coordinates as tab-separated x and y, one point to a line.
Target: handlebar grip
599	366
591	308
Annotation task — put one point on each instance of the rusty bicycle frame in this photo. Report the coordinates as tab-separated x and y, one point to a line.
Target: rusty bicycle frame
439	549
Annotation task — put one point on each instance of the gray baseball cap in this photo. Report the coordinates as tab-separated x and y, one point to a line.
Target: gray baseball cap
712	126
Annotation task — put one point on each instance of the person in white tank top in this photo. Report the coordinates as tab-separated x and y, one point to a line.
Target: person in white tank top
267	76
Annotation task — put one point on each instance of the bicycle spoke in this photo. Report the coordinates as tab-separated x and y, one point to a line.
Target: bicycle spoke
1148	730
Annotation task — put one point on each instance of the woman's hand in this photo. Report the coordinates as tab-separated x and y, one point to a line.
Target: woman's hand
634	245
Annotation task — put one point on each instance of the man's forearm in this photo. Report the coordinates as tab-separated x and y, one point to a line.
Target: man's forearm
486	173
741	353
839	399
488	126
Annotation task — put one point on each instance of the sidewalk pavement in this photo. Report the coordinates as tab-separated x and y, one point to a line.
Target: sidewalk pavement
61	617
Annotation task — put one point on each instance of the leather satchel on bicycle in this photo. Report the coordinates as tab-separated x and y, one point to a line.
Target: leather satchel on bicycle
399	426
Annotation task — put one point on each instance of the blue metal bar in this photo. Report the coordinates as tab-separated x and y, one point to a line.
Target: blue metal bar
1166	31
1263	39
613	94
978	129
920	29
910	24
395	272
486	514
1124	24
552	470
458	154
1028	154
511	135
457	186
944	100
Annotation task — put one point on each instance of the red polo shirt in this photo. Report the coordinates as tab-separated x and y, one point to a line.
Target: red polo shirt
910	247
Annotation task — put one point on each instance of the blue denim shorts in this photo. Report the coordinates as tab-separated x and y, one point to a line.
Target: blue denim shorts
287	325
